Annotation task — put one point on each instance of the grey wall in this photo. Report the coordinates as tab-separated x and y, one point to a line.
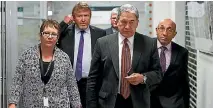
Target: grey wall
60	9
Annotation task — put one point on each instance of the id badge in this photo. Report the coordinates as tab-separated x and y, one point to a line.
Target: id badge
46	104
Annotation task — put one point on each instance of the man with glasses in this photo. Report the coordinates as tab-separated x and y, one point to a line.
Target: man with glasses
78	40
126	65
173	91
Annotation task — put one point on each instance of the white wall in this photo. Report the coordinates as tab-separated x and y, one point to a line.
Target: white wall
161	10
174	10
59	11
204	80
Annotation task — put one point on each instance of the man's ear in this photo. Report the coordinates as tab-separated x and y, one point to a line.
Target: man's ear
156	29
175	33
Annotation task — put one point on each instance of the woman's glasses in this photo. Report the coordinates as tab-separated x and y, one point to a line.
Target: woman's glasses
48	34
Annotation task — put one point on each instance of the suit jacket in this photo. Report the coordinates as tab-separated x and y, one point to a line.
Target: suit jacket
109	31
105	66
67	38
173	91
61	89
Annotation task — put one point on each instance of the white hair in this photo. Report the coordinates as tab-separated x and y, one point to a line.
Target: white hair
115	10
128	8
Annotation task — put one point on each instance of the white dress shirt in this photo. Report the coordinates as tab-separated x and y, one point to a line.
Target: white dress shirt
87	56
114	30
120	44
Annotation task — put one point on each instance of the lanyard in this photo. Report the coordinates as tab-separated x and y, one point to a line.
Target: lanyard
41	64
42	68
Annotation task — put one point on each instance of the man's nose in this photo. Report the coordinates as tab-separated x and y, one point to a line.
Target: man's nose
83	18
165	32
127	26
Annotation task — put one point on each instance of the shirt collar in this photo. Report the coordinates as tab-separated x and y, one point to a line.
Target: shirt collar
114	30
167	46
77	30
121	38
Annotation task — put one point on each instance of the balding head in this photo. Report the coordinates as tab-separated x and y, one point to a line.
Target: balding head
168	21
166	31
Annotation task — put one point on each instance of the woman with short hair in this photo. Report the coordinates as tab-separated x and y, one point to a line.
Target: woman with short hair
44	75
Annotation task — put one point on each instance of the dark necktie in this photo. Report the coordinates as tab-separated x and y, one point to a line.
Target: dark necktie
163	58
125	66
78	70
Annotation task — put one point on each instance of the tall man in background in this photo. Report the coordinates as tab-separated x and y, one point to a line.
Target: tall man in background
113	18
78	40
173	91
126	64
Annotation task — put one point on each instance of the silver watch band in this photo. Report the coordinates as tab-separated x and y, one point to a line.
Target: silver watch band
144	79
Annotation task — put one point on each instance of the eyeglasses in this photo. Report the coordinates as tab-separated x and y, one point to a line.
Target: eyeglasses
169	30
48	34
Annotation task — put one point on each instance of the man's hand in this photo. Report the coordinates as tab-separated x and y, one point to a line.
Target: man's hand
135	78
68	19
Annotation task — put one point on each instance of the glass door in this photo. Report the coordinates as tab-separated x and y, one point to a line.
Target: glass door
2	53
23	23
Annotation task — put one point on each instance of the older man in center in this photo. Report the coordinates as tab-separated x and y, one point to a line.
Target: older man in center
123	67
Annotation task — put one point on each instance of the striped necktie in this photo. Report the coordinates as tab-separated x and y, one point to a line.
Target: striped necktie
125	66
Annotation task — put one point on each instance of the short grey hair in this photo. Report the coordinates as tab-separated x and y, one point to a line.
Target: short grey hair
115	10
128	8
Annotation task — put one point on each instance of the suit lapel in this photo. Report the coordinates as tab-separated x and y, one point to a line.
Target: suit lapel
94	37
156	54
70	43
114	52
137	49
174	54
156	49
111	30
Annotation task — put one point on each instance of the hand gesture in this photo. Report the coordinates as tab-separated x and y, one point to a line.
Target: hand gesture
68	19
135	78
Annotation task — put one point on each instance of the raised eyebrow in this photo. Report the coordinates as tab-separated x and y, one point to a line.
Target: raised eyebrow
46	31
161	26
169	28
54	33
165	27
50	32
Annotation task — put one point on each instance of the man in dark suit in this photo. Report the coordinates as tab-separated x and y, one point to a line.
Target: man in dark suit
123	66
173	91
78	40
113	18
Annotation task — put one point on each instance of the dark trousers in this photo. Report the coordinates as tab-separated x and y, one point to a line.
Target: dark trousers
155	102
82	83
123	103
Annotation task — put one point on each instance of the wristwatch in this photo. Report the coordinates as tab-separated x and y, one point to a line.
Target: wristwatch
144	79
